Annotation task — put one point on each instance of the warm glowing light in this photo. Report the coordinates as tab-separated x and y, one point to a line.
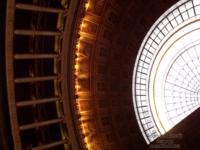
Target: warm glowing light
77	54
83	25
78	46
87	5
87	140
77	66
77	87
78	59
83	76
81	94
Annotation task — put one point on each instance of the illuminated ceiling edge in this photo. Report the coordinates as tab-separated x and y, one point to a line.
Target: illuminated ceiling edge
83	134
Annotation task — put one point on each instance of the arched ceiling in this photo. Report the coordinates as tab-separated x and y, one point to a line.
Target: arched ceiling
103	39
110	37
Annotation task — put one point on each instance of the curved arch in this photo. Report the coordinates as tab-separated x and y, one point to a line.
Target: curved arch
159	48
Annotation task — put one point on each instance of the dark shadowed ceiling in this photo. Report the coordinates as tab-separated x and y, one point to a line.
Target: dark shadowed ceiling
99	47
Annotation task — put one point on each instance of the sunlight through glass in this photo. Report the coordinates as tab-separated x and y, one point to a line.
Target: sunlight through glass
166	76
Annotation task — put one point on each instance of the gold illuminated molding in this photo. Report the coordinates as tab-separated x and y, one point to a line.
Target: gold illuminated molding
81	73
92	39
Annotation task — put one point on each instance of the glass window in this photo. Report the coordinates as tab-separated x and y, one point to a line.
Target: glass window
167	70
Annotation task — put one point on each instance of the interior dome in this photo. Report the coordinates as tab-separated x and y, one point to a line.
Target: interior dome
165	81
66	70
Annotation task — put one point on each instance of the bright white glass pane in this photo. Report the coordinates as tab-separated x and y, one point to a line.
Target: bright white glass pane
170	70
197	9
189	5
196	2
191	13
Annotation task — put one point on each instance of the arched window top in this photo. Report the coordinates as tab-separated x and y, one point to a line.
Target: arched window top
166	76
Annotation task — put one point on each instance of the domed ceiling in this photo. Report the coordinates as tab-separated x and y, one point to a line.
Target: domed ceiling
105	54
166	76
88	74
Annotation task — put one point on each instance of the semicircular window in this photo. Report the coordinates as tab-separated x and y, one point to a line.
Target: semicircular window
166	79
